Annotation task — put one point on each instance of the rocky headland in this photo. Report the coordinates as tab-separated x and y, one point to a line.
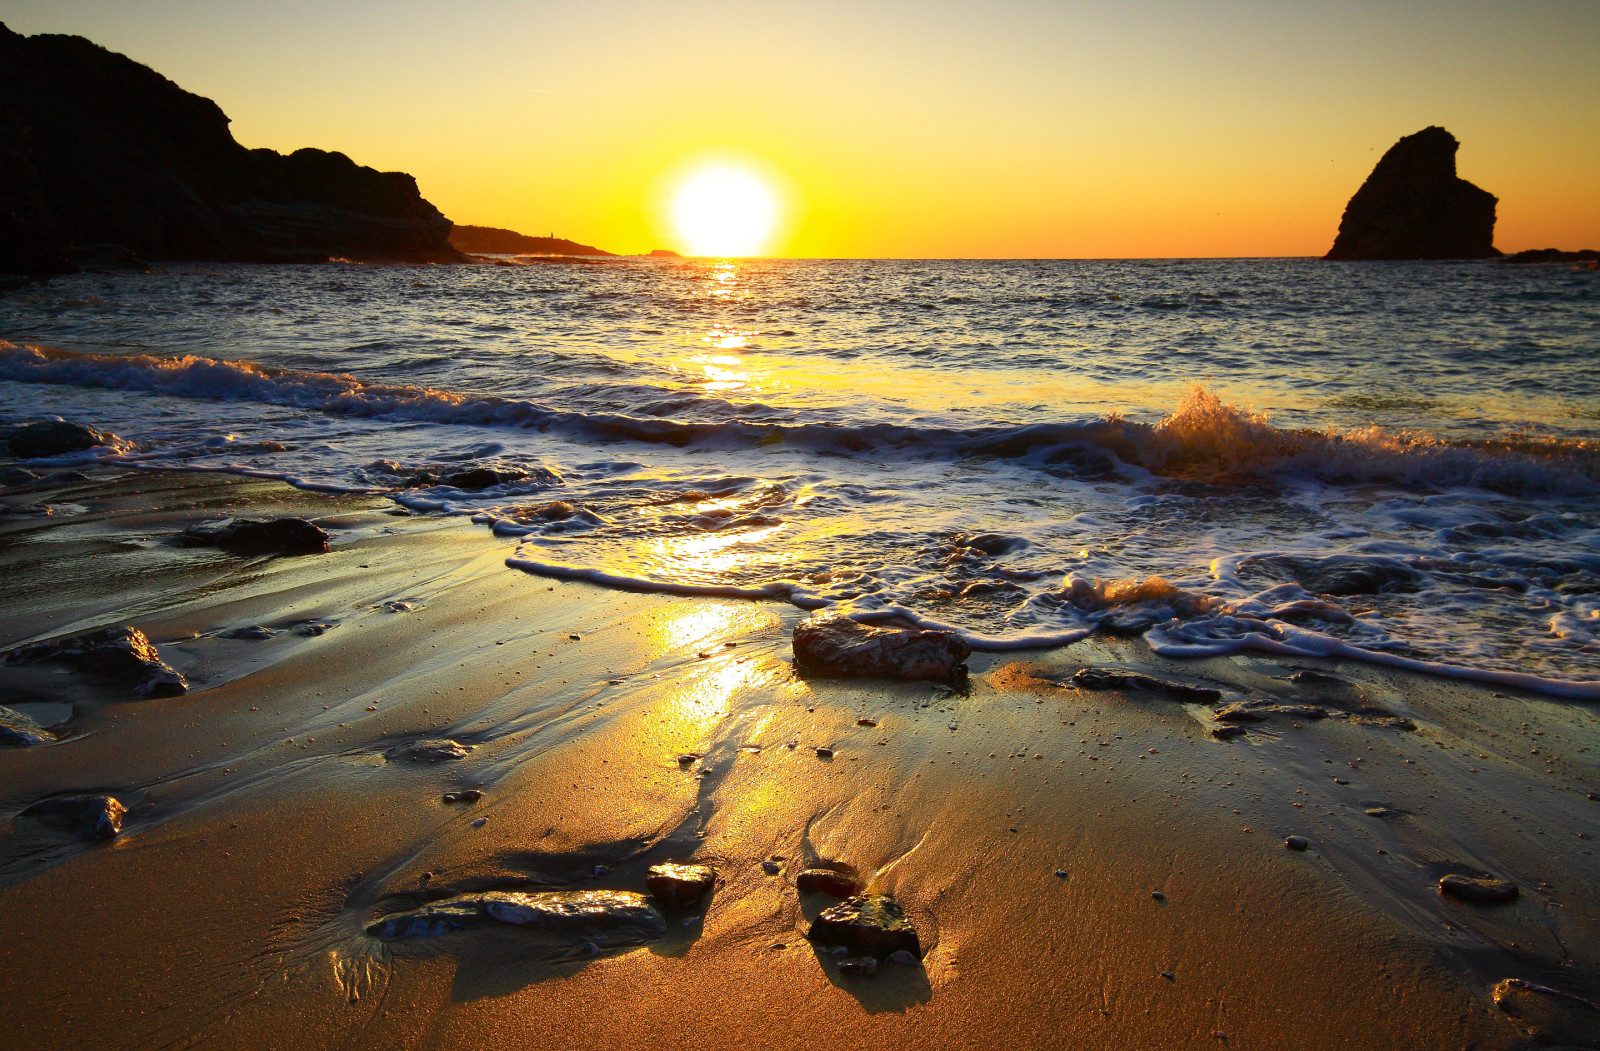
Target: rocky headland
492	240
1414	206
99	152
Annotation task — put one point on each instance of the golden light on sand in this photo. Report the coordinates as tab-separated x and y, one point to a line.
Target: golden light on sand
724	209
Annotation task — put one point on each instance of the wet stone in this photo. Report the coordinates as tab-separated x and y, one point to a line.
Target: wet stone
679	886
53	438
826	881
1479	890
866	925
119	652
824	753
606	918
837	645
1229	732
254	631
1297	843
429	750
17	729
86	816
258	536
858	966
1112	679
1552	1016
477	478
466	795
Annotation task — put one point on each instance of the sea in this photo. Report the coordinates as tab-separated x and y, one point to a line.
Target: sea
1394	462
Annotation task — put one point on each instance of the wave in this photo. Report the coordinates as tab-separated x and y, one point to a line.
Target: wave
1203	438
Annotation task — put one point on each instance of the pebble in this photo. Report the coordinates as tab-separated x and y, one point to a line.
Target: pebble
1297	843
864	721
824	753
858	965
772	868
1480	890
480	822
466	795
1158	896
679	886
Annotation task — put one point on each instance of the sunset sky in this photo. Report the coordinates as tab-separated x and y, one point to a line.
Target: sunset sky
938	129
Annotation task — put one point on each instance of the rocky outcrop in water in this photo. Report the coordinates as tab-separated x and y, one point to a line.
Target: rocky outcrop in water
1414	206
837	645
120	652
29	441
96	149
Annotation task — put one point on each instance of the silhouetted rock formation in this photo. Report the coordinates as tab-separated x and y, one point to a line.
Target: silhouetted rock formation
1413	206
98	149
491	240
1553	255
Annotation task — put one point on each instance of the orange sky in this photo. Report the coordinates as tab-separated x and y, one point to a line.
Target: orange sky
932	129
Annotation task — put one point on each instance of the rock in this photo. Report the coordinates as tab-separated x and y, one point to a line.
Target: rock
1414	206
87	816
118	652
1228	733
32	441
1112	679
679	886
96	149
430	750
771	867
258	536
1383	811
824	753
866	925
1297	843
900	956
1338	575
18	729
16	476
481	478
1480	890
255	633
607	918
864	721
1552	1016
826	881
837	645
1241	712
492	240
466	795
858	966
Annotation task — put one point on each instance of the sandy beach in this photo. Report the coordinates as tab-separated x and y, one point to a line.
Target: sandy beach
1085	868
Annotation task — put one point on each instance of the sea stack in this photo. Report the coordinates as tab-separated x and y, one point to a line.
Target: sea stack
1414	206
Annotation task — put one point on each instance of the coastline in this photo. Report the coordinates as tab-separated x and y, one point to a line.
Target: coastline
266	828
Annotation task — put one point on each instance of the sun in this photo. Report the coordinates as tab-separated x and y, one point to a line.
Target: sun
724	209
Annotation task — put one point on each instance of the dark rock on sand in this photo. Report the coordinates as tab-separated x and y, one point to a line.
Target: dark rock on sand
826	881
606	918
837	645
858	966
1297	843
1229	732
258	536
87	816
1552	1016
1480	890
430	750
1414	206
19	730
466	795
867	925
98	149
1112	679
118	652
1259	711
30	441
679	886
481	478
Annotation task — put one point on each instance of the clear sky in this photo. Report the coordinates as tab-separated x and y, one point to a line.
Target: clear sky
932	128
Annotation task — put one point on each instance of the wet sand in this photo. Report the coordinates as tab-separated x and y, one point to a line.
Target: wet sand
266	829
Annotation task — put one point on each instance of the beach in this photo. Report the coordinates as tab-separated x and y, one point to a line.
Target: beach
1084	867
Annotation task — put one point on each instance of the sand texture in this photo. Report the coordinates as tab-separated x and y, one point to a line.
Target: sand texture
1085	868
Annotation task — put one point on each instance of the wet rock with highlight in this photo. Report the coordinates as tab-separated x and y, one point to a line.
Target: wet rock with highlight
605	918
679	886
867	925
258	536
837	645
85	816
429	750
31	441
118	652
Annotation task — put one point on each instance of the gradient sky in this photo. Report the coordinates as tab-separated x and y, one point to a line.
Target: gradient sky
932	128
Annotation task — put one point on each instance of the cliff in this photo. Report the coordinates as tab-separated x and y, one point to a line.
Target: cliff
1414	206
96	148
492	240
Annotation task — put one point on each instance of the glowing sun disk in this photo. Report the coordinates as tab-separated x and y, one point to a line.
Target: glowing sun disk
724	210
